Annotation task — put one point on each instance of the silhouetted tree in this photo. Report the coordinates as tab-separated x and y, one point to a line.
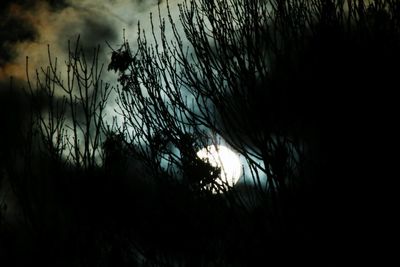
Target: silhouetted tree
283	82
218	80
57	174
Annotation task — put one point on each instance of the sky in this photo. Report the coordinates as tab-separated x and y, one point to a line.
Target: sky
28	27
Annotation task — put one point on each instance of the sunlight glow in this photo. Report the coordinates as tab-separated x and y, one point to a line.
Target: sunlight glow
226	159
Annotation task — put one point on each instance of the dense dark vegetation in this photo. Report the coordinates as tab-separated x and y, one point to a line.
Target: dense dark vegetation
295	86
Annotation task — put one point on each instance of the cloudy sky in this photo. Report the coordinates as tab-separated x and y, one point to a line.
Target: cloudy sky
28	26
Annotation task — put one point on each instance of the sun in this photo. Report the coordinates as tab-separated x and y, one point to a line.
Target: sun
226	159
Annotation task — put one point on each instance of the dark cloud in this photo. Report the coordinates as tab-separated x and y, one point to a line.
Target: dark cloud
55	4
146	1
6	3
16	27
13	29
94	31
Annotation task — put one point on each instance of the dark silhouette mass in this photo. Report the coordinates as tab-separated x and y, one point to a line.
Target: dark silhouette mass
303	90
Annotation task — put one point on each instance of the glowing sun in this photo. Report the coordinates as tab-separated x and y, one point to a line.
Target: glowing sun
224	158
